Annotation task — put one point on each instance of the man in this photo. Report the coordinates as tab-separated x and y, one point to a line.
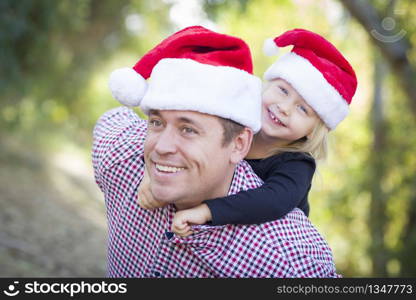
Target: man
204	105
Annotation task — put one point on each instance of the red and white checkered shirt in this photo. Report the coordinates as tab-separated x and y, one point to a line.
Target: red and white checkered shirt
141	244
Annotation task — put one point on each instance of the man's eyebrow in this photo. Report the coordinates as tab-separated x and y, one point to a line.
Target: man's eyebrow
189	121
154	112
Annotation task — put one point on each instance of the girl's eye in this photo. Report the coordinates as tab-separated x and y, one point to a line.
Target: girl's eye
284	91
303	108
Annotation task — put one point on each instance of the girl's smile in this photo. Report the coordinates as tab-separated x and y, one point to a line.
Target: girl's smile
273	115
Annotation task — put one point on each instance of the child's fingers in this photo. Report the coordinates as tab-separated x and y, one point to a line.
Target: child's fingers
184	233
147	201
181	229
152	201
143	202
155	204
185	230
178	221
187	233
176	228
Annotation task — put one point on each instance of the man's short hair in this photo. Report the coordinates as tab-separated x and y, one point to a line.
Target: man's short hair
231	130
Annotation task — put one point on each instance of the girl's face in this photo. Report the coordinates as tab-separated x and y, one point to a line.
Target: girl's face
285	115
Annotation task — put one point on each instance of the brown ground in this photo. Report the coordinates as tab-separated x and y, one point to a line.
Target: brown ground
52	216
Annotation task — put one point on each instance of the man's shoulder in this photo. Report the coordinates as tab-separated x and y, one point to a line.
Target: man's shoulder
244	178
118	134
117	120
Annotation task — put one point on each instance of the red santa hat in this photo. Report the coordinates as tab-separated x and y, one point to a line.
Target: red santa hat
317	70
194	69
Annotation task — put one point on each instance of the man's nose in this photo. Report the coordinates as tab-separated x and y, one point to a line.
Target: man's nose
166	142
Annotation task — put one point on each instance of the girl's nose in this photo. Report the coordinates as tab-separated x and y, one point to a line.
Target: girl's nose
284	108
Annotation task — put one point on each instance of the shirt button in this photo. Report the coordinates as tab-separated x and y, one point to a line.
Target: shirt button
169	234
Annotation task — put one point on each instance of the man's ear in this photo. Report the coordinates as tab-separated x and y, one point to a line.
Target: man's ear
241	145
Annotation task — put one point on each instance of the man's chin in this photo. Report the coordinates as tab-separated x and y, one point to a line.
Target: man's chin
163	195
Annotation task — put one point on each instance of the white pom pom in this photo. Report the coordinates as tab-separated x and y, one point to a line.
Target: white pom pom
127	86
270	48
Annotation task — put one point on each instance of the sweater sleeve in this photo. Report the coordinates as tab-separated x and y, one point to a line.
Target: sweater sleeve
112	126
286	185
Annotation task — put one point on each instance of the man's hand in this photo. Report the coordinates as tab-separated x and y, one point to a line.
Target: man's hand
145	197
182	221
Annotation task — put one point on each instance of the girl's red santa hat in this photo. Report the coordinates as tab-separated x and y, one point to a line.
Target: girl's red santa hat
194	69
317	70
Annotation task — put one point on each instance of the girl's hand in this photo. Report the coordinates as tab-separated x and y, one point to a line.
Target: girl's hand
145	197
182	221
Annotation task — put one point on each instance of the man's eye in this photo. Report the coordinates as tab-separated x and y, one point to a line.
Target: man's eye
189	130
155	123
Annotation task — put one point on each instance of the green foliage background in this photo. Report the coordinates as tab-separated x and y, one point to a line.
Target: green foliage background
55	58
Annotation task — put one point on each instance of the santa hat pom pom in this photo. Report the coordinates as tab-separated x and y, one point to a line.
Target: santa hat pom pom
127	86
270	48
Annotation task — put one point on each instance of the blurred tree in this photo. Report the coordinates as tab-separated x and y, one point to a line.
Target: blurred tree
55	59
389	162
51	46
377	18
50	50
376	172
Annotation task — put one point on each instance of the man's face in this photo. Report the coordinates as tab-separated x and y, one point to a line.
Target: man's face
185	158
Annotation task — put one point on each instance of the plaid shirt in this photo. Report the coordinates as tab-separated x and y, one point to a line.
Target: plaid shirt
142	245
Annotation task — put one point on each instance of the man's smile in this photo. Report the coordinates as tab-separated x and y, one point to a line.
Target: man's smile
168	169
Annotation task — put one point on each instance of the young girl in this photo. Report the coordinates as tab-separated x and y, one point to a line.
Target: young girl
306	94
